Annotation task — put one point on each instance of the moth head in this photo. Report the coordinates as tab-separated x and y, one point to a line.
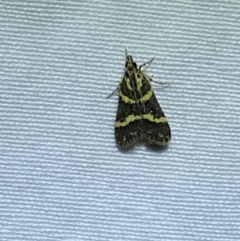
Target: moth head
130	64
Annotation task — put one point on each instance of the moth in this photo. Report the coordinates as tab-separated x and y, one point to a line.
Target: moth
139	115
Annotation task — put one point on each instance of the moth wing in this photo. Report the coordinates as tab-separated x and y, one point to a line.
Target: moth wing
128	126
155	124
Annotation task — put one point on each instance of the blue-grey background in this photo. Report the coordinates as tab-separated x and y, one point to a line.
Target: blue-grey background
62	175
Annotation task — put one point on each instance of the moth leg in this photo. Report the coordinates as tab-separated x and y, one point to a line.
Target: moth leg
146	63
117	89
113	92
150	78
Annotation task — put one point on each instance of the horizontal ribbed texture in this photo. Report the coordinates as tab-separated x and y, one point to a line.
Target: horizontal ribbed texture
62	176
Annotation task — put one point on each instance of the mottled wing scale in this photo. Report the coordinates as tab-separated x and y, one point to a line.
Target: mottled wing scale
139	115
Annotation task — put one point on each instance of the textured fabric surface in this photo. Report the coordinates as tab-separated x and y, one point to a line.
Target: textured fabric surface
62	175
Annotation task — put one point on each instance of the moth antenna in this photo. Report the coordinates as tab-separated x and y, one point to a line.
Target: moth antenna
126	50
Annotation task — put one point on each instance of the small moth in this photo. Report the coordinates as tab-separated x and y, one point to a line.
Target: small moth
139	115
